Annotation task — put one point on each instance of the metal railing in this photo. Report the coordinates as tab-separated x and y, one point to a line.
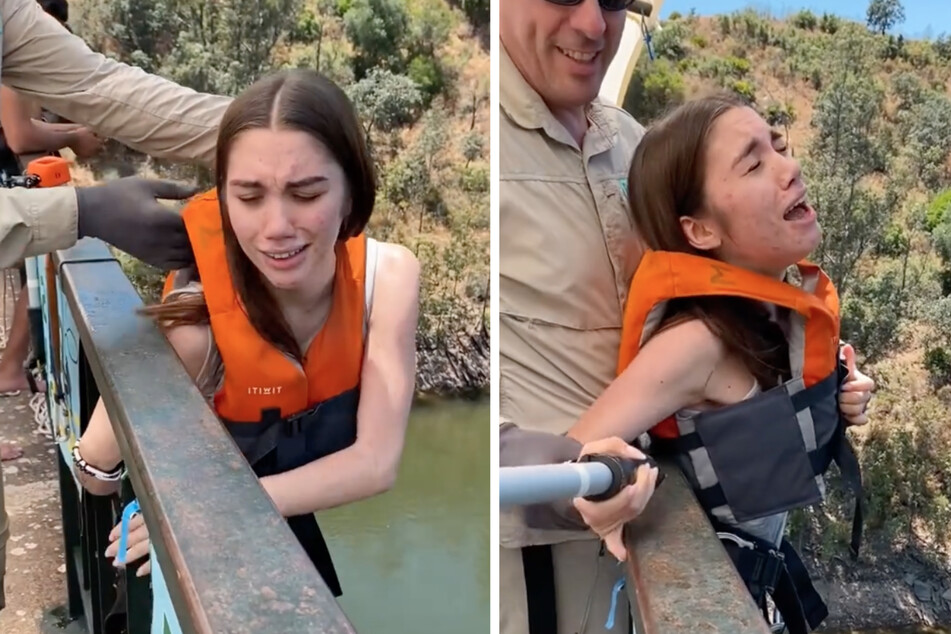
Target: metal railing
223	559
679	577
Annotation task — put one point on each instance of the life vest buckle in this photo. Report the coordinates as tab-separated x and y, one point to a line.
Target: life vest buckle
772	568
761	567
293	426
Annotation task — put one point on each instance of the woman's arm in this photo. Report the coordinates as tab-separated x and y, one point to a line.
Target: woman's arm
671	371
22	134
26	134
98	445
369	466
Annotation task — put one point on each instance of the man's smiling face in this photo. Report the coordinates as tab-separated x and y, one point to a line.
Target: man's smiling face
563	52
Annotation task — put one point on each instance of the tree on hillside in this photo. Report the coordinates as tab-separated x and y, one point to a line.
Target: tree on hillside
907	87
216	47
477	11
928	138
884	14
847	116
377	29
781	114
385	101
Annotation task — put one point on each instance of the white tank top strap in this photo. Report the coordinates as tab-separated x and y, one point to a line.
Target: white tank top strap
373	250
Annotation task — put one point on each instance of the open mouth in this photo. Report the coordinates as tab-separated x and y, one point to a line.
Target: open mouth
284	255
800	210
579	56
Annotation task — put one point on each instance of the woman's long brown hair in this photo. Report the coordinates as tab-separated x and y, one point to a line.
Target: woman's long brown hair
666	183
291	100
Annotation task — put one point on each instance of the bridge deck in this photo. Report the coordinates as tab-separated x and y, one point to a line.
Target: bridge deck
35	581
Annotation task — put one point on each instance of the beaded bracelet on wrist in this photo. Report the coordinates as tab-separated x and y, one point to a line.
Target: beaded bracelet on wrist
88	469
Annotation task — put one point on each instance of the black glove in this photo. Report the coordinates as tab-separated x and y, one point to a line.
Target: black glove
126	214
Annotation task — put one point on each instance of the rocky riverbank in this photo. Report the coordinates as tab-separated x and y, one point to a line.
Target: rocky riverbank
456	366
891	588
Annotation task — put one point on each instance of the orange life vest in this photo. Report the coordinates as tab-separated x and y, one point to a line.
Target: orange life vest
258	377
281	415
663	276
767	454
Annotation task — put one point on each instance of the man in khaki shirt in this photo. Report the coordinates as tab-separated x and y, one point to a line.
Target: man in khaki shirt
43	61
567	252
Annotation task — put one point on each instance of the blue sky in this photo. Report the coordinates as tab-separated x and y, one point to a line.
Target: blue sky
923	18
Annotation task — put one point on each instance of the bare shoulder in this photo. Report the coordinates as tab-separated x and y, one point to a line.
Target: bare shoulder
691	341
191	344
396	296
396	267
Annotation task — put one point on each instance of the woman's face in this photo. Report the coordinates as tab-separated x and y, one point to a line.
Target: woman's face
287	197
755	213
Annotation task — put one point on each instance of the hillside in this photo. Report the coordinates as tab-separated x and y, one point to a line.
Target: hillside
417	72
869	117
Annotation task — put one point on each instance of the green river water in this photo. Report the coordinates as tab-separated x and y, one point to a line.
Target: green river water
416	559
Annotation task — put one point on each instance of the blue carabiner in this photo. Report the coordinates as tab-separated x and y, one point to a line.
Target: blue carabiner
127	514
609	625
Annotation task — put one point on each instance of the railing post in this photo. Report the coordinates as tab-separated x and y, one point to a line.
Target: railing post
98	515
72	538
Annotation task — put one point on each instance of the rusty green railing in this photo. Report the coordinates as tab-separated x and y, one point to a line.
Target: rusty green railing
224	558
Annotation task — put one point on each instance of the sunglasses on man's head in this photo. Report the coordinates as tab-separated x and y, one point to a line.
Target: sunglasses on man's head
606	5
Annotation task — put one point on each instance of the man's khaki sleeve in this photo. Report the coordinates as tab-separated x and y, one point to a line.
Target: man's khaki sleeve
150	114
35	221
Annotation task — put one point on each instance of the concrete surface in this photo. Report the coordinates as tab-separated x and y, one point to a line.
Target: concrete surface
35	578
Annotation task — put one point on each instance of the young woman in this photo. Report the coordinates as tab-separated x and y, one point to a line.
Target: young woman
297	327
730	337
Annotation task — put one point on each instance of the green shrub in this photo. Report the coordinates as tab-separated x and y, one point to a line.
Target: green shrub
655	87
829	23
724	24
938	364
475	179
430	76
805	19
938	210
669	41
744	89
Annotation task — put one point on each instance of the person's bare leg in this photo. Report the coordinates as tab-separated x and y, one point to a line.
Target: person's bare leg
12	375
10	451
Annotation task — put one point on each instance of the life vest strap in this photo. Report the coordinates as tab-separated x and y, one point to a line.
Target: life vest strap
539	567
848	463
539	570
779	573
257	440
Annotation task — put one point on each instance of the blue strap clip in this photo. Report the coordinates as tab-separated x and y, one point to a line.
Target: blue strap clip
131	510
609	625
